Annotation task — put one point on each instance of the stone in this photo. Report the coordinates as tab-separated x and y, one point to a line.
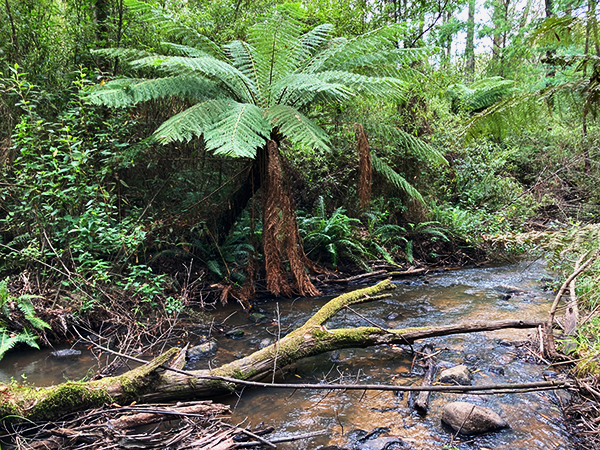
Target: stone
66	354
498	370
382	443
264	343
391	316
471	419
202	350
456	375
508	289
235	334
257	317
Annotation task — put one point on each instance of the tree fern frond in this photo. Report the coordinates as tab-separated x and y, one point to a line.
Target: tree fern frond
129	91
299	89
312	41
391	88
124	54
191	122
240	85
394	178
239	132
243	58
480	95
185	50
405	140
275	41
164	20
297	127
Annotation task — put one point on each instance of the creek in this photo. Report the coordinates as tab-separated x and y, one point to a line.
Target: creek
437	299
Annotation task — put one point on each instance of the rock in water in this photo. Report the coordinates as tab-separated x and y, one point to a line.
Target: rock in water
472	419
66	354
456	375
202	350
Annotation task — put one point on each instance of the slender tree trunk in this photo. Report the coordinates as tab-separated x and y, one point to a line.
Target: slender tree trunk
150	383
470	45
14	38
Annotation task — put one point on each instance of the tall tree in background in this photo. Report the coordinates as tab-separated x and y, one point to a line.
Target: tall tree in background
470	44
248	97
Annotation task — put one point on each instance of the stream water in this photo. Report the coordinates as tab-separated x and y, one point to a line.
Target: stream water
439	299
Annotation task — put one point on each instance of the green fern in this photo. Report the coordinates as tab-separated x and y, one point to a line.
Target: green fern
394	178
8	338
480	95
245	91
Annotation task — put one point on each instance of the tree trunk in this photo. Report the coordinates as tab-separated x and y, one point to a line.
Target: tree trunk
150	384
470	46
281	238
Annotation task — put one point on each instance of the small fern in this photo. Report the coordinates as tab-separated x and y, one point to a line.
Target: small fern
9	338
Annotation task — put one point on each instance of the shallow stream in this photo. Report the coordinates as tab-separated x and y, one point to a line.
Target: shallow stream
438	299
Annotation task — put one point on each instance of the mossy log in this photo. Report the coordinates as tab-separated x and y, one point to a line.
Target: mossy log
151	383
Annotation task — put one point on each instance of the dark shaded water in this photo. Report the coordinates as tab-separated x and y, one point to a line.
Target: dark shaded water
451	297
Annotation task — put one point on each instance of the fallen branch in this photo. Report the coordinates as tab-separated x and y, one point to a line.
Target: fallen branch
550	346
422	401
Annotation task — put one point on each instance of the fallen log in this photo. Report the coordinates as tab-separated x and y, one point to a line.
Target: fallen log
152	383
422	401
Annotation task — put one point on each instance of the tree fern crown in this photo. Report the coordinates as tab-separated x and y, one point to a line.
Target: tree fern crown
240	93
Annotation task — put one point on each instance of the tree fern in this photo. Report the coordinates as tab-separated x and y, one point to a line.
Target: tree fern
394	178
479	95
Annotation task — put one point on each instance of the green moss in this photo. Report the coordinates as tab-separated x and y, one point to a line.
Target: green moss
65	398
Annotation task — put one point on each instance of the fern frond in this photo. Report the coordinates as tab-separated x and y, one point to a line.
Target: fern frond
124	54
394	178
300	89
297	127
239	132
7	341
184	50
404	140
129	91
219	71
191	122
164	20
275	41
243	57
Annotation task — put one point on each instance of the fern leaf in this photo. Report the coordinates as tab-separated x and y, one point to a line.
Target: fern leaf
394	178
129	91
239	132
214	69
7	341
297	127
165	21
407	141
191	122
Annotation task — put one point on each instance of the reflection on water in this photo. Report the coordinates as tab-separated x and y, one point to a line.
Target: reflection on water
440	299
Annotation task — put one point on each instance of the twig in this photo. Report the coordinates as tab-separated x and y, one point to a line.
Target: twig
285	439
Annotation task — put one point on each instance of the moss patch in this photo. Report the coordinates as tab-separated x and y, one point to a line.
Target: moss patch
67	397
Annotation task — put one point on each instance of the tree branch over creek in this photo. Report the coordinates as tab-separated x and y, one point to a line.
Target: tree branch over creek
152	383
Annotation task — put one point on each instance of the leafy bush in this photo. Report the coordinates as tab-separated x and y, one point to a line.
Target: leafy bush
64	212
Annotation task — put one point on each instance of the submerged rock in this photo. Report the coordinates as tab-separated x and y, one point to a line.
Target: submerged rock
257	317
201	350
382	443
66	354
456	375
471	419
264	343
235	334
508	289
